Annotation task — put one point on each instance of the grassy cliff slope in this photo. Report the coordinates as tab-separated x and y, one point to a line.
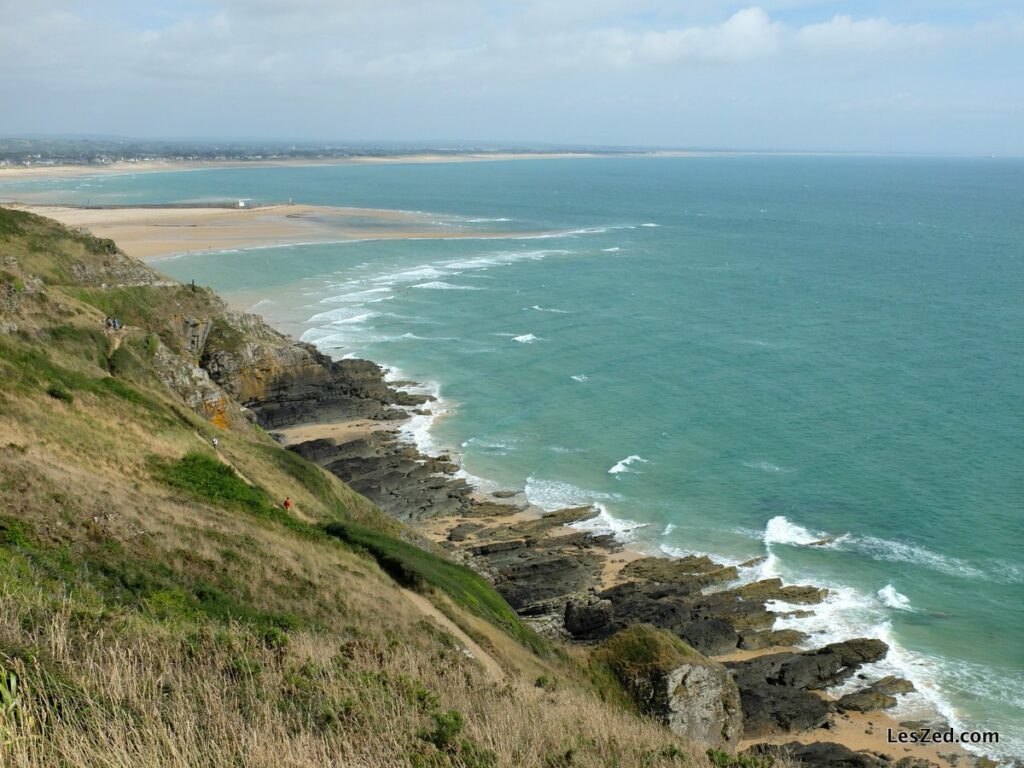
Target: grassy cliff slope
159	607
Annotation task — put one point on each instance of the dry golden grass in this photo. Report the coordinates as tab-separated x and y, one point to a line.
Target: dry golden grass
143	625
120	689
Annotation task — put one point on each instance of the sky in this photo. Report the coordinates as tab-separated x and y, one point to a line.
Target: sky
918	76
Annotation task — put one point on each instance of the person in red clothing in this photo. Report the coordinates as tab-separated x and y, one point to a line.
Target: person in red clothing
288	504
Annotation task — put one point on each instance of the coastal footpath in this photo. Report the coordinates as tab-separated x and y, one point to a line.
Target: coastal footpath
160	606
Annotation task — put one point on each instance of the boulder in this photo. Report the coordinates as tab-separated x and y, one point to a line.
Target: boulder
772	709
711	637
811	670
699	571
692	695
584	619
879	695
822	754
757	640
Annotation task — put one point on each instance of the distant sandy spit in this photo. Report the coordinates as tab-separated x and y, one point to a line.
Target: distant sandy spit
150	166
150	233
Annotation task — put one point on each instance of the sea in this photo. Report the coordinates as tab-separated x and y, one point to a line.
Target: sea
815	360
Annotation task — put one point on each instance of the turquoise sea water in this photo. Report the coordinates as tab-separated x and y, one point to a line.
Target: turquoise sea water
737	356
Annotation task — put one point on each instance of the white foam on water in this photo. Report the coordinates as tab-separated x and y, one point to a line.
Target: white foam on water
668	529
353	297
626	463
417	428
484	220
580	377
490	446
526	338
893	599
440	285
551	495
765	466
547	309
902	552
341	315
613	249
605	522
779	530
414	275
650	224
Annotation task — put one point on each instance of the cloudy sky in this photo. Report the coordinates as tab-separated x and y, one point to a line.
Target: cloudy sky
875	75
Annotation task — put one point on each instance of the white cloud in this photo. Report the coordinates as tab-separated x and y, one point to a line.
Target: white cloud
844	35
746	35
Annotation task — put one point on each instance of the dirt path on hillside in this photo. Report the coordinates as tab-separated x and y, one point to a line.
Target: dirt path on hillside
424	606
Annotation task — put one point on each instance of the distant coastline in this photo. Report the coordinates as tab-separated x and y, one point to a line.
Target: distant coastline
151	165
151	232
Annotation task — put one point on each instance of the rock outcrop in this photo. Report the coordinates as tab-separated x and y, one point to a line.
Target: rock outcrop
668	680
879	695
777	690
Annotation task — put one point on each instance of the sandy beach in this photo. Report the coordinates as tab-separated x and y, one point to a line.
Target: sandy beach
151	166
18	172
155	232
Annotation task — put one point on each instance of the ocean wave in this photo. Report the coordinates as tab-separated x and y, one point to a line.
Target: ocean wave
765	466
894	599
780	530
650	224
352	296
551	495
417	429
485	220
624	465
440	285
605	522
526	338
580	377
668	529
539	308
613	249
902	552
341	316
490	446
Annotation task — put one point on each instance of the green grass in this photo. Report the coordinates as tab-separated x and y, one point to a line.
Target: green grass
31	369
417	568
203	476
311	477
643	649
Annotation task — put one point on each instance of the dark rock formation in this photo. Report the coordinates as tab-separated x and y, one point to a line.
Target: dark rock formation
879	695
711	637
824	755
776	690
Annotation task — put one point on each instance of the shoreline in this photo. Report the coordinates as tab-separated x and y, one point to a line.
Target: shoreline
614	557
511	511
22	172
155	232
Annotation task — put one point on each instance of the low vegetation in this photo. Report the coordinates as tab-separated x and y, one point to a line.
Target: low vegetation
159	607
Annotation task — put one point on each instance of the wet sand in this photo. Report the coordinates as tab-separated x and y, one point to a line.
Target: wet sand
151	233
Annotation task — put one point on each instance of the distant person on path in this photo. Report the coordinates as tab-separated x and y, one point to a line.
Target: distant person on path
287	503
216	442
108	322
